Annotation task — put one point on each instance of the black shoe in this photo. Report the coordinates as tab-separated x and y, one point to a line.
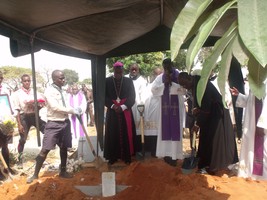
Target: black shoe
167	159
65	175
170	161
210	172
111	162
153	155
127	162
31	179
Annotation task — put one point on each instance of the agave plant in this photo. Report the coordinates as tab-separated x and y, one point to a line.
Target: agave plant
245	39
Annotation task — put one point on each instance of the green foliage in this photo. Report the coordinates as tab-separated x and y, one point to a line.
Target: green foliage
203	33
87	81
253	26
246	39
211	61
71	76
257	75
179	61
12	76
148	61
187	19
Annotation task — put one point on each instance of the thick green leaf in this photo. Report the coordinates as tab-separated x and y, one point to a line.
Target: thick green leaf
240	52
185	21
198	24
253	27
256	77
224	69
211	61
204	32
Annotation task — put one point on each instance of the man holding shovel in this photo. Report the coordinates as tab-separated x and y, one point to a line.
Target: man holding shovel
58	129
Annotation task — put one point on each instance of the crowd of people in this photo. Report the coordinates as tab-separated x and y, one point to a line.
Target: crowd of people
60	125
170	106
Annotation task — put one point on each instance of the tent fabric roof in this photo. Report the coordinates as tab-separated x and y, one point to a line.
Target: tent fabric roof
96	30
92	27
85	28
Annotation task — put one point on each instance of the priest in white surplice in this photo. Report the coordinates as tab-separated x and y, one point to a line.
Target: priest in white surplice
172	114
140	84
253	153
77	99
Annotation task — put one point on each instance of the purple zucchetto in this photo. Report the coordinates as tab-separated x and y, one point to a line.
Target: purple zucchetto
118	64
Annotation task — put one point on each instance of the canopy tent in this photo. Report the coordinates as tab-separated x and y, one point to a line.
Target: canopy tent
95	30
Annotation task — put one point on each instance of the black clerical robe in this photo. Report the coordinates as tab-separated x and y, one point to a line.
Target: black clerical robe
217	146
120	132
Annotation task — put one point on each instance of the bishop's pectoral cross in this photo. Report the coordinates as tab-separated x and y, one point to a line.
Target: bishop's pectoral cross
118	100
118	86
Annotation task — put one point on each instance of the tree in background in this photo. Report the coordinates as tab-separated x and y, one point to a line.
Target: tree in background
87	81
148	61
71	76
46	74
13	75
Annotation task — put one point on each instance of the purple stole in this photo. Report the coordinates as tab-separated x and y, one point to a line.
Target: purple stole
128	118
170	112
73	117
258	142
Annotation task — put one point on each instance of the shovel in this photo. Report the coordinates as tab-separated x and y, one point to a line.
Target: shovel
5	166
141	109
98	161
190	163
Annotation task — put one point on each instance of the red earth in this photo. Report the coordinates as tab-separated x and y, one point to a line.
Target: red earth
148	179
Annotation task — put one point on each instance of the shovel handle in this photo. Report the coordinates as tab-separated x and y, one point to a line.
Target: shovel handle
86	135
142	130
3	161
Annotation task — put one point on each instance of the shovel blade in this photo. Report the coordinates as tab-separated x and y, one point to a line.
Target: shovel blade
190	163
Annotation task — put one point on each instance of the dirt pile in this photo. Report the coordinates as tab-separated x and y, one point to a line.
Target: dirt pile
150	179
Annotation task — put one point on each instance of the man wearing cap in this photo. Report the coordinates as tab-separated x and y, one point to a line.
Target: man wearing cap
120	132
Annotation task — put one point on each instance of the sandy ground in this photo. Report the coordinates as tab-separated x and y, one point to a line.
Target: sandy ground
148	179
